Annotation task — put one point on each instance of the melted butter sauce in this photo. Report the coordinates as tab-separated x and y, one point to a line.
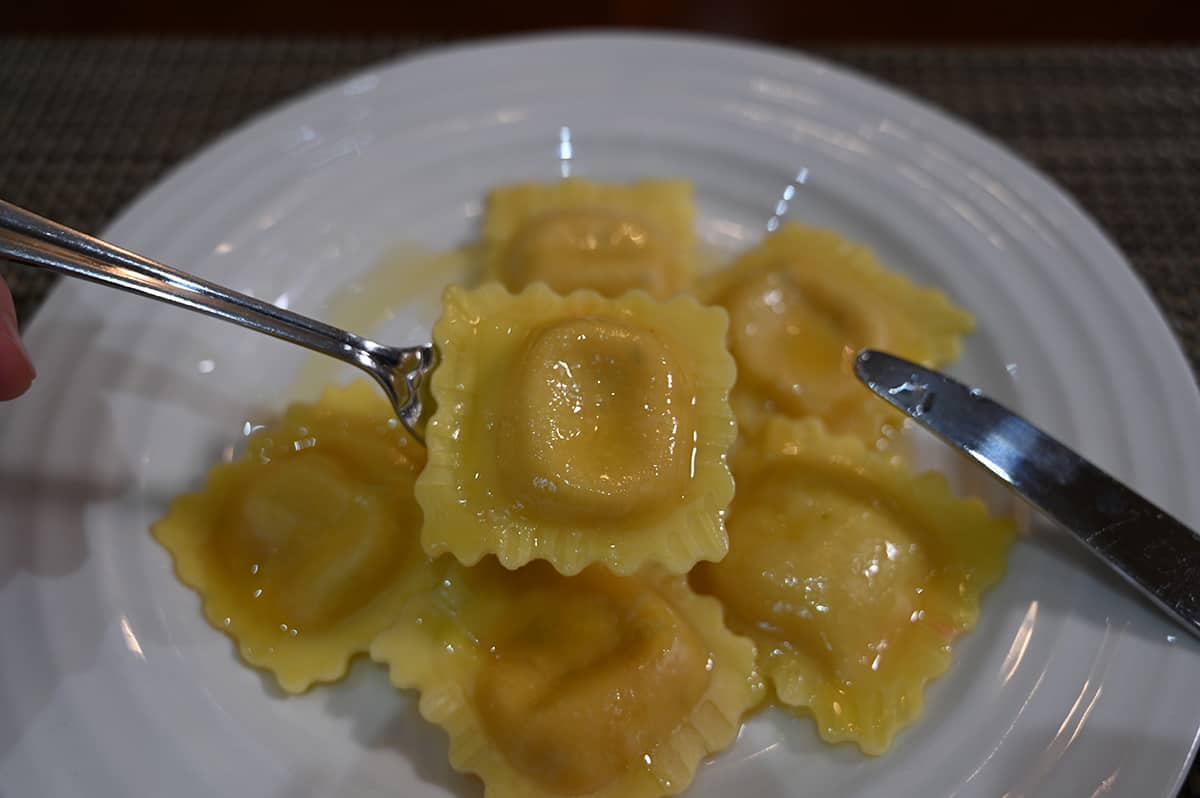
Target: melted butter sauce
304	547
595	647
852	574
591	684
797	337
588	248
407	283
600	415
578	429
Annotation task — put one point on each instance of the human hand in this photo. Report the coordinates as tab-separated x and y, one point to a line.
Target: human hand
16	372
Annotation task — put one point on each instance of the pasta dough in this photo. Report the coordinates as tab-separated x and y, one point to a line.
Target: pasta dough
801	305
305	547
575	234
852	575
577	430
595	684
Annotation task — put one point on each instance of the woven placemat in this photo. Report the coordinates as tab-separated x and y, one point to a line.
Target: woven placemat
85	125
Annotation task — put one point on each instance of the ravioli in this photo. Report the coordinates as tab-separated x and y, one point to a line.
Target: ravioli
304	549
801	305
575	234
853	575
590	685
578	429
553	573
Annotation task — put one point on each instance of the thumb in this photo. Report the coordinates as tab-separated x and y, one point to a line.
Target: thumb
16	372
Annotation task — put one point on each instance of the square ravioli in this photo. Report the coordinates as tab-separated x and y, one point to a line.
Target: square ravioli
578	430
801	304
590	685
304	548
852	574
575	234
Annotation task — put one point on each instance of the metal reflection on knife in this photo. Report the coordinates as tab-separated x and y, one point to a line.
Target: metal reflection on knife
1143	543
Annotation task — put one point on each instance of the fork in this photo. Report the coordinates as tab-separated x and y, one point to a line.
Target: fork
402	372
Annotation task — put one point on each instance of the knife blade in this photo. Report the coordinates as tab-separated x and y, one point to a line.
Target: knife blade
1149	548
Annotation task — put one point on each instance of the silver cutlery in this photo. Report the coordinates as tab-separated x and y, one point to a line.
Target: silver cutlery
402	372
1149	548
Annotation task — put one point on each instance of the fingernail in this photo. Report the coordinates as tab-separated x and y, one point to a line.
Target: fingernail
9	329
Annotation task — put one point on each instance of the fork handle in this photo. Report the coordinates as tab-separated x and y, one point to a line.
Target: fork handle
34	240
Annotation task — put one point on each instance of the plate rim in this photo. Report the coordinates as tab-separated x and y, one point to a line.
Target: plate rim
1027	170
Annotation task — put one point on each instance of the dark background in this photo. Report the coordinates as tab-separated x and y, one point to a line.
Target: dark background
958	21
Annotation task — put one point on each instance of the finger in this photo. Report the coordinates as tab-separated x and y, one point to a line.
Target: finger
16	370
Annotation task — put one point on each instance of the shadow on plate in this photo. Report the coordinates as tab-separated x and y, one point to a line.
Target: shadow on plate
46	498
1131	611
56	494
385	722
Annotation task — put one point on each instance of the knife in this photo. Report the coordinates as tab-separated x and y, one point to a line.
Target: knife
1153	551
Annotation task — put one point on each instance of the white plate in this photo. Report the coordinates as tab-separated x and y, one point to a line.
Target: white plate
112	685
